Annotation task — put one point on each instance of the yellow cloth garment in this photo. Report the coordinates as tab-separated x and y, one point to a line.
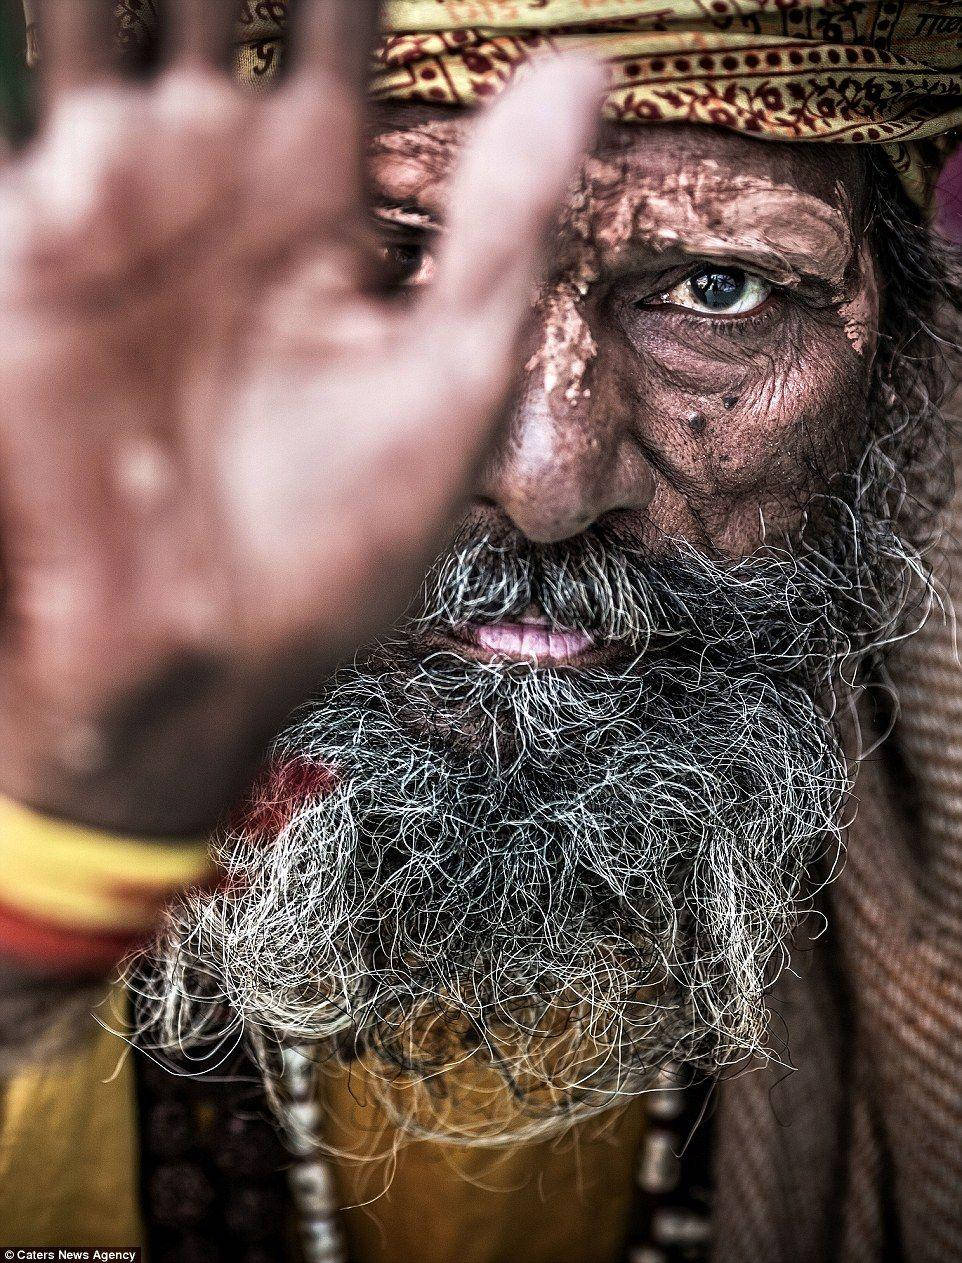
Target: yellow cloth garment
69	1174
562	1200
69	1161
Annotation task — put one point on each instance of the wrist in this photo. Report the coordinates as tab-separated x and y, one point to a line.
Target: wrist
75	899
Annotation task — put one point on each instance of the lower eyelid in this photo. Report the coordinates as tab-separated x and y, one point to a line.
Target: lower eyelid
764	313
671	316
649	304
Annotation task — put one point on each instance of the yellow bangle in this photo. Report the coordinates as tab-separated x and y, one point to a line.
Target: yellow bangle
71	875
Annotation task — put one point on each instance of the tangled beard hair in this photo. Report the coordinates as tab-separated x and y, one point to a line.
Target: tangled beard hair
580	876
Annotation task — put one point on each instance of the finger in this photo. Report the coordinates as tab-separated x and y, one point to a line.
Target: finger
335	38
202	31
331	45
75	42
507	194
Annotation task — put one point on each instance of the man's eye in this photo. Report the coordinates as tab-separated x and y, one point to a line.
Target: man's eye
719	291
409	263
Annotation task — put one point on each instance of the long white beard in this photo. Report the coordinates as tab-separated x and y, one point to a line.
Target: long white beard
571	876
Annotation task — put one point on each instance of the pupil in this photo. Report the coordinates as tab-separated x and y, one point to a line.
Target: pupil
719	289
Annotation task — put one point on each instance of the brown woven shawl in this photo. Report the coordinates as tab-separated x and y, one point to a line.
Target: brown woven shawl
856	1156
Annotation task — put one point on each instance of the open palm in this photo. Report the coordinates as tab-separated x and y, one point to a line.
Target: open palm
226	451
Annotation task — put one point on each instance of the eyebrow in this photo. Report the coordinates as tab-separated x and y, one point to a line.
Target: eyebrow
790	234
818	248
785	266
405	212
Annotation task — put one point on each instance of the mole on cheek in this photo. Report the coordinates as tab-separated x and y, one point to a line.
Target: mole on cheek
697	423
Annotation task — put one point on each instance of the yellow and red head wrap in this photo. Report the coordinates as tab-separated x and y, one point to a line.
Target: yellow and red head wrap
884	72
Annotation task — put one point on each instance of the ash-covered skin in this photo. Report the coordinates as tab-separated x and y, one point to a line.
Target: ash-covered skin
860	309
709	428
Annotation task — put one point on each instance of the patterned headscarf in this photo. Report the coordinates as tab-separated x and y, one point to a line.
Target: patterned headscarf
885	72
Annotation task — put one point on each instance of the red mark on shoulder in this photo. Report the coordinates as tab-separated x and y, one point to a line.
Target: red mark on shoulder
279	791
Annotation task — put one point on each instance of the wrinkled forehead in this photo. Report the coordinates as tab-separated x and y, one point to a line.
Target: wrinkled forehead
666	186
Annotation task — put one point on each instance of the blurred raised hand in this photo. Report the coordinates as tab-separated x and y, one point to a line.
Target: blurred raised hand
227	451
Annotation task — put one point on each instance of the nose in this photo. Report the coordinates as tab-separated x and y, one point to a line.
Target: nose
569	455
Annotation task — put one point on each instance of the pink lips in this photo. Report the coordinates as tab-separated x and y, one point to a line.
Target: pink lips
530	638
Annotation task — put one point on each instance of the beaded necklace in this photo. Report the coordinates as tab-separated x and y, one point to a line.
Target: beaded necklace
217	1185
671	1172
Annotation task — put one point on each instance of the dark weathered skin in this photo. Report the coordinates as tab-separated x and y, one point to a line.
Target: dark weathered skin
681	423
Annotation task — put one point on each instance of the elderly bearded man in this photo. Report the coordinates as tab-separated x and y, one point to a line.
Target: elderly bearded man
526	871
